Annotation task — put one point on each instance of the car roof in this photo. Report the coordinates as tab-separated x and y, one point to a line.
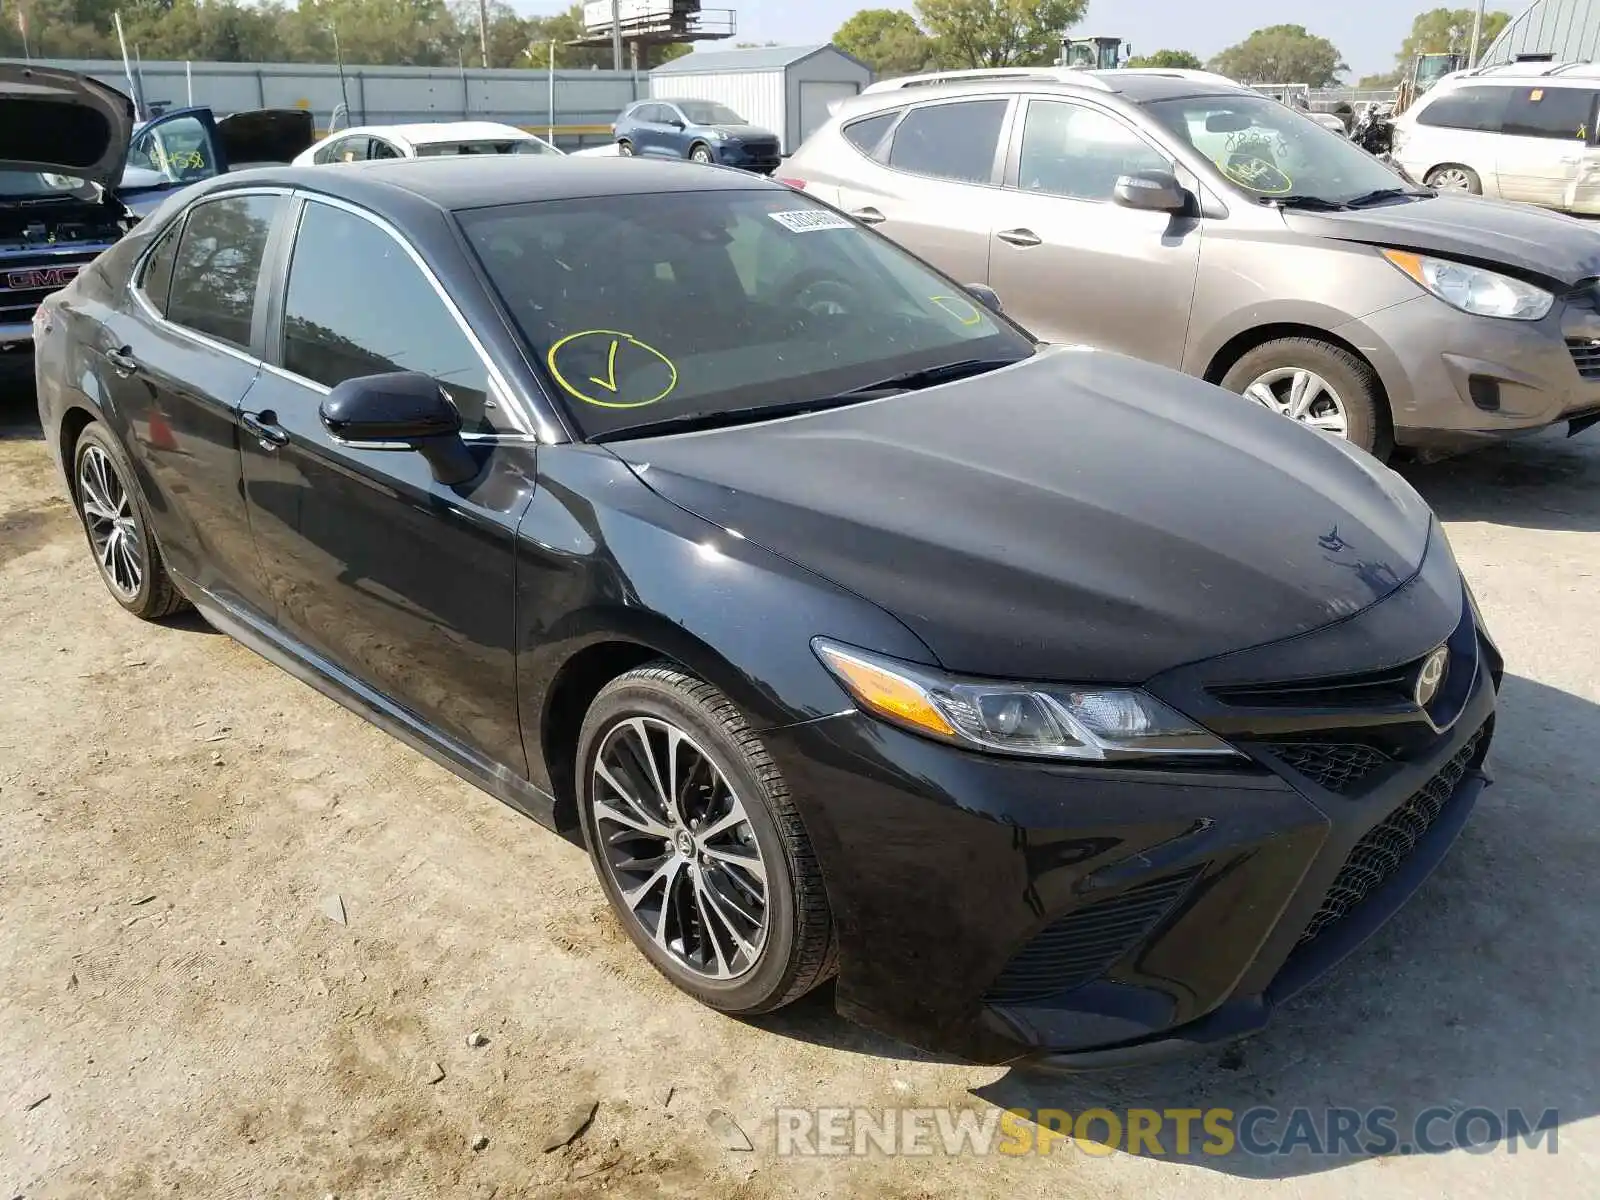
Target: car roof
484	181
438	131
1138	86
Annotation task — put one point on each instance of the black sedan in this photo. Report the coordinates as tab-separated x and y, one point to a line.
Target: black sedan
1066	708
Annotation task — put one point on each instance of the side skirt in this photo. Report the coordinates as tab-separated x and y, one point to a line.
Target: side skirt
311	668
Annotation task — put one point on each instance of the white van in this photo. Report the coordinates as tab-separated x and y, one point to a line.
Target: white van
1519	132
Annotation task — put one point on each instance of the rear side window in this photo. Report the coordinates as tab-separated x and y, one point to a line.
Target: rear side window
218	266
1546	112
950	141
1480	109
358	305
867	133
156	282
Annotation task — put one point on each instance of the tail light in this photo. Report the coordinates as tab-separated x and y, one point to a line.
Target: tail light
798	185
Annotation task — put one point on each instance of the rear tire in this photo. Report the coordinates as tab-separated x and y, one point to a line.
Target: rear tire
1453	177
117	524
690	911
1316	382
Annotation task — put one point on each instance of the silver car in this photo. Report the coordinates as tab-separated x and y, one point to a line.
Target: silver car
1198	224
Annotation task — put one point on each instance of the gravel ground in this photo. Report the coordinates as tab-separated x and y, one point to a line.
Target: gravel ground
181	1016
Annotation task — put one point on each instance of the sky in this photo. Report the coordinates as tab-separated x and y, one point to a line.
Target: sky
1367	32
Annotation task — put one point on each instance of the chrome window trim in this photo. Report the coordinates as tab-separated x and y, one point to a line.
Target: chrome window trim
322	389
136	276
527	424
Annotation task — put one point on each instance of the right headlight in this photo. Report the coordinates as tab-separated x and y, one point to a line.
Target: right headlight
1029	719
1474	290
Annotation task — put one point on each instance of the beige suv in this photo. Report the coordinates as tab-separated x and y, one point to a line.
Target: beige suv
1195	223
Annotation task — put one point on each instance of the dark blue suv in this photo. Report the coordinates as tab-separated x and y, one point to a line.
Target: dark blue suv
699	129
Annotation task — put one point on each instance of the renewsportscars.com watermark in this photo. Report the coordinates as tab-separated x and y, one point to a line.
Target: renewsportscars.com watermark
1173	1132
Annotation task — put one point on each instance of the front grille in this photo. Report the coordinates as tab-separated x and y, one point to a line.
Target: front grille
1386	846
1079	947
1585	356
1345	691
1339	767
18	304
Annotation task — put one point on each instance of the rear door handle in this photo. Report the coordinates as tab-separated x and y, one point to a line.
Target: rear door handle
122	361
1019	237
868	215
265	426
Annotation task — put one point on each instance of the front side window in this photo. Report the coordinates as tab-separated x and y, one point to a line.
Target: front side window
1268	152
219	265
1559	113
705	112
1069	150
950	141
180	149
378	148
641	309
1477	109
357	304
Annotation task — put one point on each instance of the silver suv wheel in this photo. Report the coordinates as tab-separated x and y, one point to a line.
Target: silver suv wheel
1301	395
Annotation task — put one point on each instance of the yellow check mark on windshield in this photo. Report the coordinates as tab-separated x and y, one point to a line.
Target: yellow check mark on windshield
610	381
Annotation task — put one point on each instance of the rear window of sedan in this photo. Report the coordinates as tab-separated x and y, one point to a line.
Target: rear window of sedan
497	146
643	308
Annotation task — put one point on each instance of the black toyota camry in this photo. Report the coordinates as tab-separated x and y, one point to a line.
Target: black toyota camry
1067	709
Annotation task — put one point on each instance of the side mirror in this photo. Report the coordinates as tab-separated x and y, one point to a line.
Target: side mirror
1152	191
675	123
985	296
402	410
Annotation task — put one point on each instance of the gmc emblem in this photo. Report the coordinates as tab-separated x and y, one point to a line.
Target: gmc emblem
41	277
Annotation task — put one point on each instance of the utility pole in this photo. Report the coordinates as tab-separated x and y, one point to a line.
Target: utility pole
483	31
616	35
1477	30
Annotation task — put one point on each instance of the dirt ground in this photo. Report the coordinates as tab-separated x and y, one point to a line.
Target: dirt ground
180	1016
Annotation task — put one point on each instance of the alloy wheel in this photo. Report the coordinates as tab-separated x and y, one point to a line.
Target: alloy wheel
701	155
1451	179
677	845
113	528
1301	395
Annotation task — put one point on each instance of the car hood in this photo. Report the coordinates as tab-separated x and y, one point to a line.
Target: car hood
1079	516
266	135
1530	240
740	133
62	123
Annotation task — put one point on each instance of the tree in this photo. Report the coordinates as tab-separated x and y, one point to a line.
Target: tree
888	40
998	33
1282	54
1378	83
1170	59
1449	31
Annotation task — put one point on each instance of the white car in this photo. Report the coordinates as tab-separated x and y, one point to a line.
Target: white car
1523	131
441	139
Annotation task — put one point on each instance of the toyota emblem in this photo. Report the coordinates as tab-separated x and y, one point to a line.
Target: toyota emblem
1431	678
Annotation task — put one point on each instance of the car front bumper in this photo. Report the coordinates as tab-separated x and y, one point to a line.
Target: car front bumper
763	159
1071	917
1455	381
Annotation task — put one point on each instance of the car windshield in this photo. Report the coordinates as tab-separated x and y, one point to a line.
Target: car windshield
494	146
1270	152
720	305
31	185
705	112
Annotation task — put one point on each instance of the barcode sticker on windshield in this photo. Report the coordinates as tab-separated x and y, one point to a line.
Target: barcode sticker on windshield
805	220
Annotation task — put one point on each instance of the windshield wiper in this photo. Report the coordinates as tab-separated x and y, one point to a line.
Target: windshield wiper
910	381
1316	202
1388	193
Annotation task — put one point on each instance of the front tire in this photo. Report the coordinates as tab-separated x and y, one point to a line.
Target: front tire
625	148
117	525
1319	384
701	153
1453	177
698	846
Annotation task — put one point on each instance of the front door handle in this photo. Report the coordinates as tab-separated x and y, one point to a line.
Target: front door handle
122	361
1019	237
265	426
868	215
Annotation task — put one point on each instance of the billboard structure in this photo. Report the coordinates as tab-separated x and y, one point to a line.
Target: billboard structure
642	24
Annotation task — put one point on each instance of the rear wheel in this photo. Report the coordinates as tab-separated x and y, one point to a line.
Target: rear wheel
1318	384
697	845
118	527
1453	177
700	152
